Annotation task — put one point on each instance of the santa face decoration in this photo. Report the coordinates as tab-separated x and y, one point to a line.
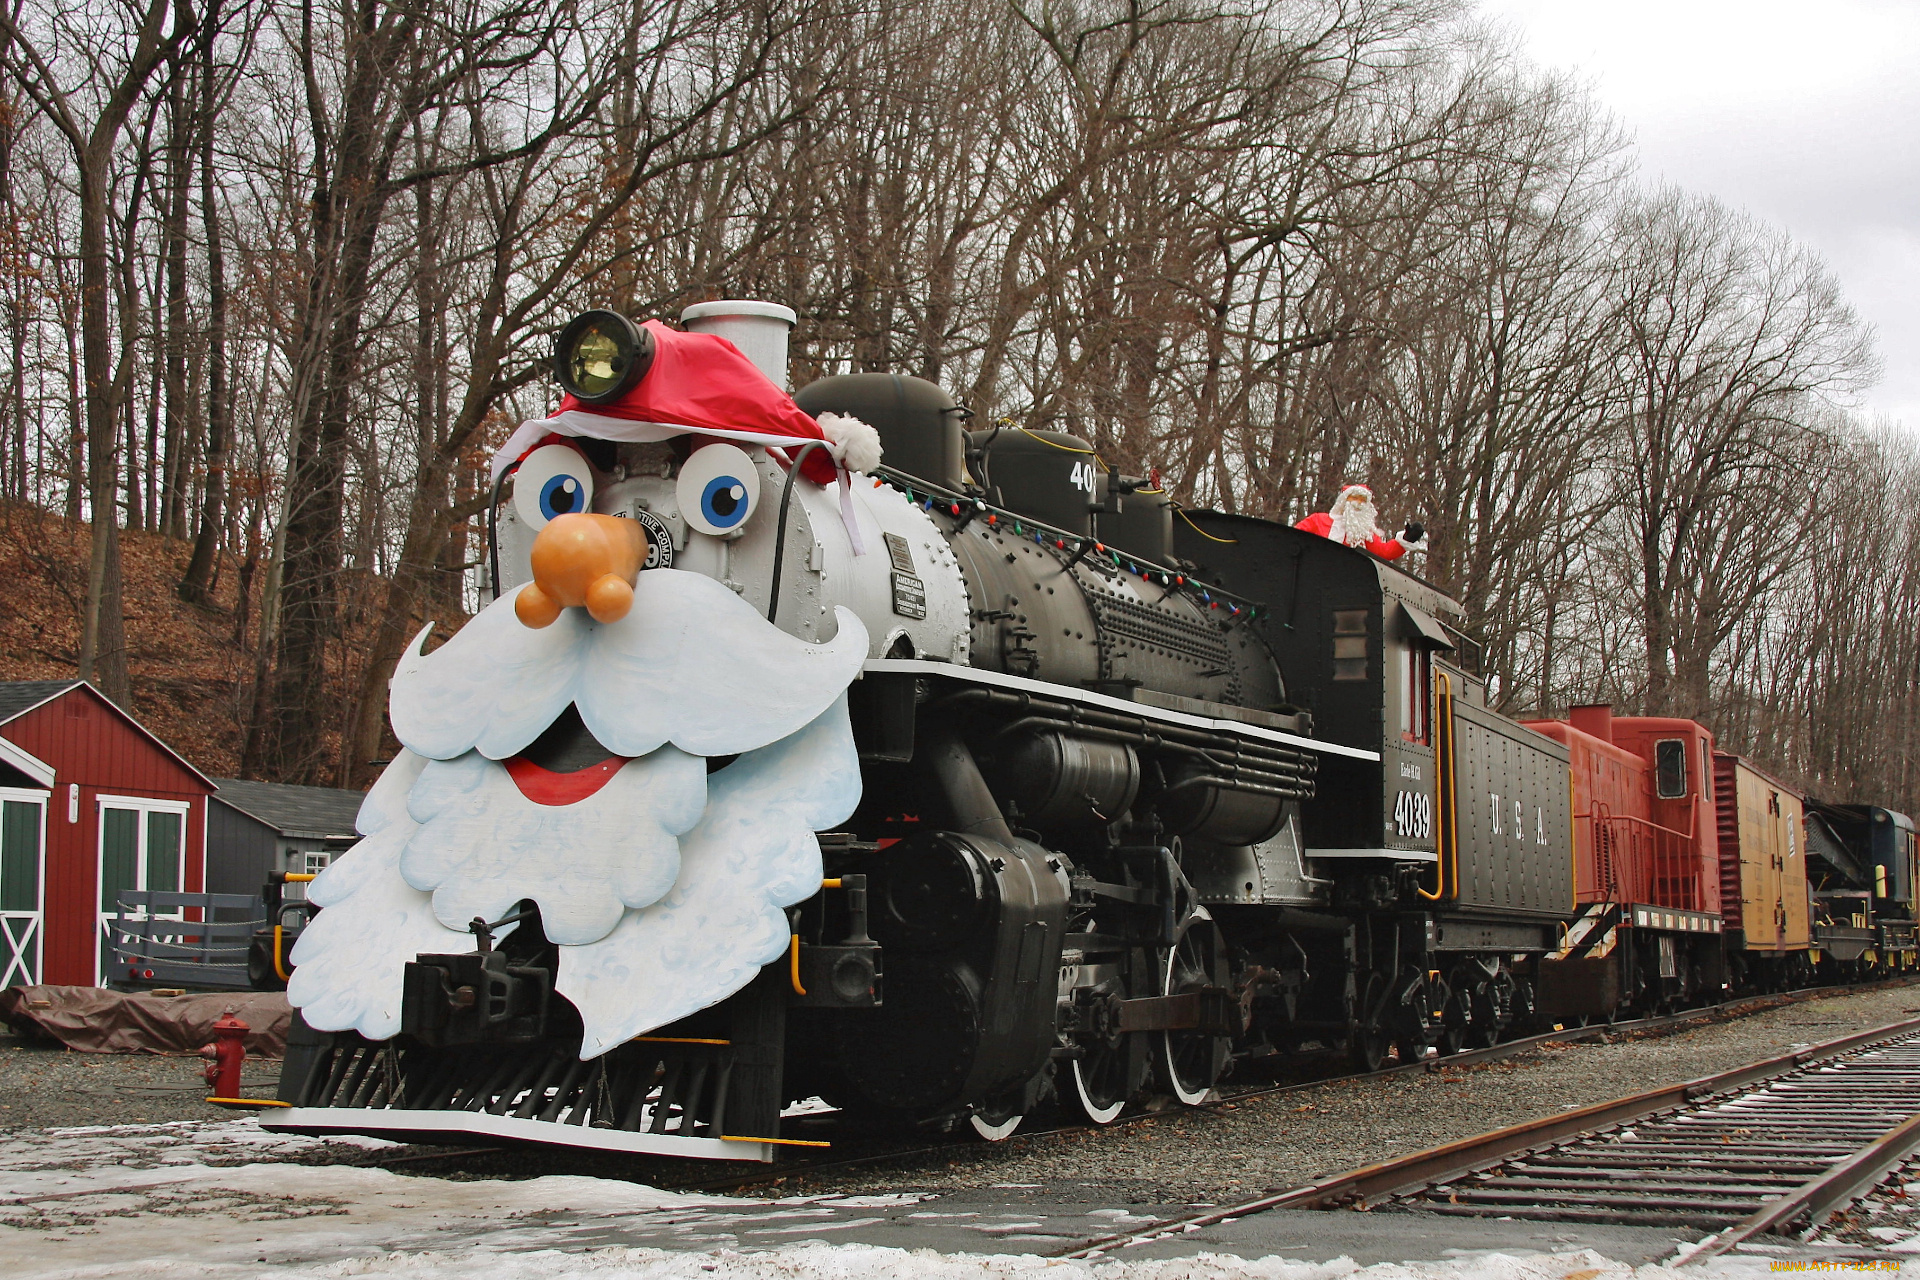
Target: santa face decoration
558	747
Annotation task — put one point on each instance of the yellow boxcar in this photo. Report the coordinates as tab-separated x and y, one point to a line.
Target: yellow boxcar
1763	867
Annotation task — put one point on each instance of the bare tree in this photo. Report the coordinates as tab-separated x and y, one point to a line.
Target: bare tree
1728	335
120	48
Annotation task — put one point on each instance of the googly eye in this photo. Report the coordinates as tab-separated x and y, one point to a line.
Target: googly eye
718	489
554	480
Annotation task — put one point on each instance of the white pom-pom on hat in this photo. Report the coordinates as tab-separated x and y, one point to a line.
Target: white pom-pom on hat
855	444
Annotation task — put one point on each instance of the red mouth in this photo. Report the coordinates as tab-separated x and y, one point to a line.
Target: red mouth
544	786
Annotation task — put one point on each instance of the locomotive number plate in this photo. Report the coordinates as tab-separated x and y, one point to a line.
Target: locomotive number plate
909	595
1413	815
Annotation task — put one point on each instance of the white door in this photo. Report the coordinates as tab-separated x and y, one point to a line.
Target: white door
23	877
143	845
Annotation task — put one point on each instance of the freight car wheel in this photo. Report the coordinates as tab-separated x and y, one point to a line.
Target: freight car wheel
1193	1060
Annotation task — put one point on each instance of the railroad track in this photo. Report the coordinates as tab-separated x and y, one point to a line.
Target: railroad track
1758	1149
1505	1049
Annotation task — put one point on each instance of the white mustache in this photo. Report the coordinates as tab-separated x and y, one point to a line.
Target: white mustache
351	960
691	664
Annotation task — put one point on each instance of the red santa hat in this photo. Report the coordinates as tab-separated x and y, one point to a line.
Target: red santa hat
700	383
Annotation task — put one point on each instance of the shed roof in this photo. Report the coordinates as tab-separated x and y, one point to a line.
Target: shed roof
17	697
314	812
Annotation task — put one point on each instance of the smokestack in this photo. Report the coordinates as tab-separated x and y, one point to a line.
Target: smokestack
1595	719
759	329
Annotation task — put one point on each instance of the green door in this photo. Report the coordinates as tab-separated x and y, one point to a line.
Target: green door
22	874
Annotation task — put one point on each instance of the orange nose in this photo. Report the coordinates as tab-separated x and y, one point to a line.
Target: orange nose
586	560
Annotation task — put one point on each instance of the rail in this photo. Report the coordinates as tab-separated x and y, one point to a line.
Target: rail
1492	1053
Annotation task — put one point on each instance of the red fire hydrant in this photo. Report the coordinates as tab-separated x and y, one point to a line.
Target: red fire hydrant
228	1051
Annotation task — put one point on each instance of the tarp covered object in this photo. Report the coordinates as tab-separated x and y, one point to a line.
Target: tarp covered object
98	1020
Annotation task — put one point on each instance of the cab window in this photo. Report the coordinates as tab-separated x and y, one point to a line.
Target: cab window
1416	680
1349	644
1670	768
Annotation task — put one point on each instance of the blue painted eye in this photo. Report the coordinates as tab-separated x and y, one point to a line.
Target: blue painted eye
553	480
718	488
724	502
562	495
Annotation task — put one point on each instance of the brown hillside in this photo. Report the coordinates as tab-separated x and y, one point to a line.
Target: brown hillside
192	679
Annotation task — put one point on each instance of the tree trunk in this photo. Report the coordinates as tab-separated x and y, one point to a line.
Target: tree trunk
103	644
173	471
196	582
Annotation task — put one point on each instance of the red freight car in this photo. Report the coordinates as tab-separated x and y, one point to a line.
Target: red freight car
1646	867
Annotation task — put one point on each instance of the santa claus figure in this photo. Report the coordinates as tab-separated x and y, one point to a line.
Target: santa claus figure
1355	522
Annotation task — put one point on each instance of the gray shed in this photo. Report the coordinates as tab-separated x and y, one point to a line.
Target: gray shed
254	828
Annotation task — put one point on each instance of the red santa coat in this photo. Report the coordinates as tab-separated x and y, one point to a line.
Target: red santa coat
1321	522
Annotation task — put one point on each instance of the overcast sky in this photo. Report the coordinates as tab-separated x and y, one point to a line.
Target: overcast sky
1807	115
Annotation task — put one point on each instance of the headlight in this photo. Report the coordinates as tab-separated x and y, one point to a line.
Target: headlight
600	355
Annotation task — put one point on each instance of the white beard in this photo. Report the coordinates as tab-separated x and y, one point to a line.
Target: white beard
666	889
1355	523
482	847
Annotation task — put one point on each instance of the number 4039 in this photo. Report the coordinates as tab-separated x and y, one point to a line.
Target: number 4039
1413	815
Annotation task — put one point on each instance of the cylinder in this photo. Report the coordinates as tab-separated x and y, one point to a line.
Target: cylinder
759	329
1214	809
1142	527
1059	782
932	893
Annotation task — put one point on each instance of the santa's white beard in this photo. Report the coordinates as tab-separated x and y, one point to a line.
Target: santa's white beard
665	890
482	847
1355	523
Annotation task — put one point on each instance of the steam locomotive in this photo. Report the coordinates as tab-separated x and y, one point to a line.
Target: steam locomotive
1145	792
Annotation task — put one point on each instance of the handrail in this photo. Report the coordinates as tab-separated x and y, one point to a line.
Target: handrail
1453	790
1645	822
1447	824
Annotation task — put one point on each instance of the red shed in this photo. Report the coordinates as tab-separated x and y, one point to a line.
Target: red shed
91	804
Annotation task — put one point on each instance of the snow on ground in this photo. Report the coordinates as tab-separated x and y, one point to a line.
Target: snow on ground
816	1261
192	1199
